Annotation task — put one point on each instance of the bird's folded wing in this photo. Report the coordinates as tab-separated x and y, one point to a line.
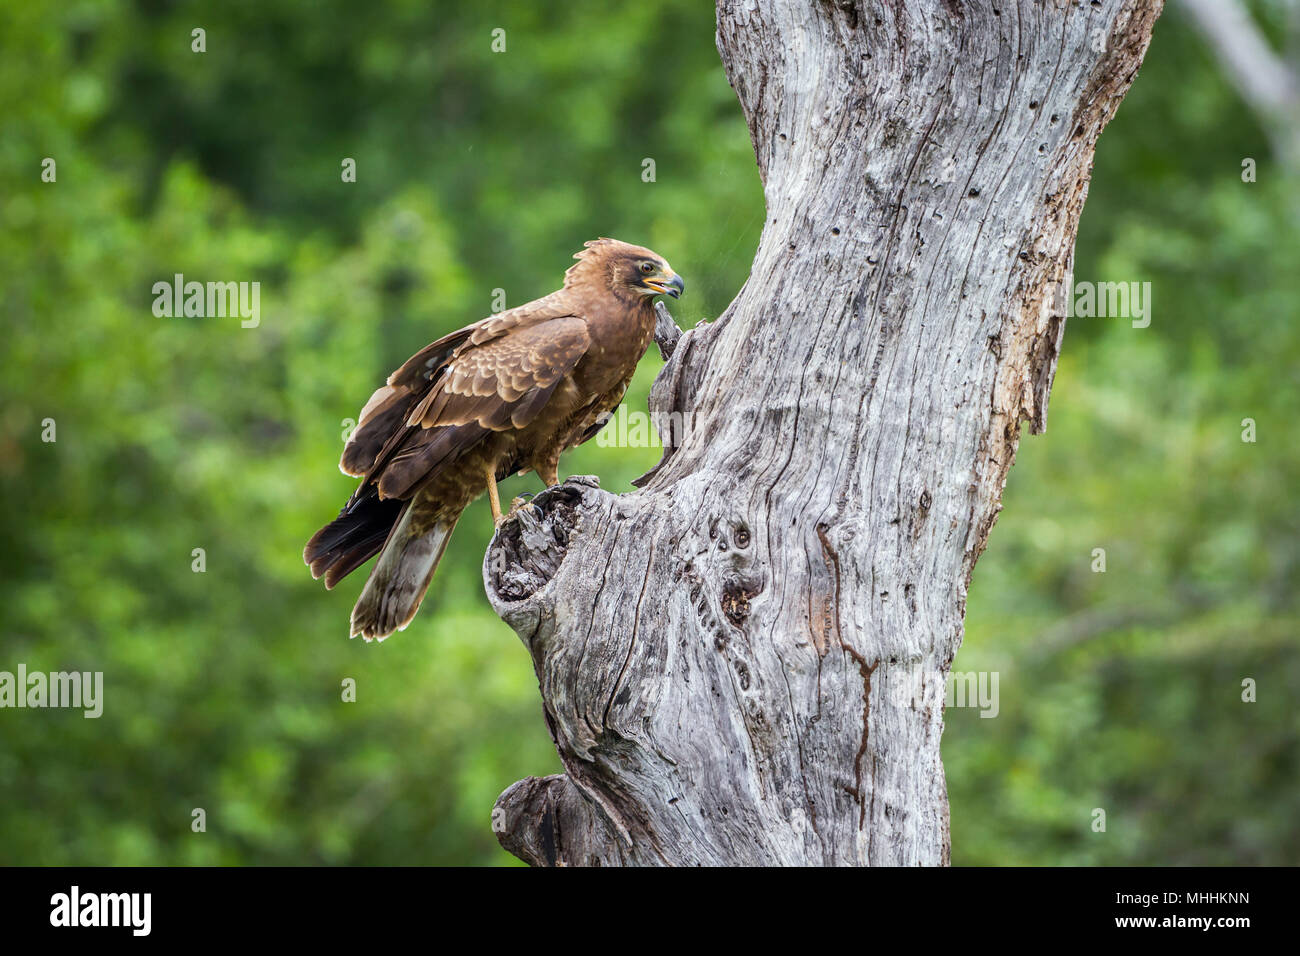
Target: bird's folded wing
503	383
416	425
388	408
385	413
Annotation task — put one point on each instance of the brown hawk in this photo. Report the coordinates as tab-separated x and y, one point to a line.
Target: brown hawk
510	393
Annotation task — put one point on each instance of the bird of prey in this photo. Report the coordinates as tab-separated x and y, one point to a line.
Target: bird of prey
509	393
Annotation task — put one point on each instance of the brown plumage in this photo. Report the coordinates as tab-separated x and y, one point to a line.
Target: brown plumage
509	393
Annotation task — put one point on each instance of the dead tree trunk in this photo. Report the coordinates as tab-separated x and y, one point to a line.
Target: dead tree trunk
744	662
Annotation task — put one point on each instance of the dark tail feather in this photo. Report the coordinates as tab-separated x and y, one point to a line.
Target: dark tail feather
399	579
353	538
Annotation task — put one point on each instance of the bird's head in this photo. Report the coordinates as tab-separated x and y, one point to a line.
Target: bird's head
627	270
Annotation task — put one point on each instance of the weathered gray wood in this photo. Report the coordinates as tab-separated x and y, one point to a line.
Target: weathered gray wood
744	662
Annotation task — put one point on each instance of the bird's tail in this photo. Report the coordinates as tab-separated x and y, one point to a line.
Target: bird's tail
353	538
400	577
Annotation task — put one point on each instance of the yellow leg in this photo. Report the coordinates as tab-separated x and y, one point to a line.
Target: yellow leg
493	496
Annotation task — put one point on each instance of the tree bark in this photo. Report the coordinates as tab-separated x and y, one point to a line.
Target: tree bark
744	662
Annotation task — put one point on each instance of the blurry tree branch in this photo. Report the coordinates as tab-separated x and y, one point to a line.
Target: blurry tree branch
1269	84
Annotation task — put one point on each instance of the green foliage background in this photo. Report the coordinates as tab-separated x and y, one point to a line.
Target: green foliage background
479	171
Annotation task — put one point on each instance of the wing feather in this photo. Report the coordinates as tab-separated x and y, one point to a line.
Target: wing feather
388	409
494	376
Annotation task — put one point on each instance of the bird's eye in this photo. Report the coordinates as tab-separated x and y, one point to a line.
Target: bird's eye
647	268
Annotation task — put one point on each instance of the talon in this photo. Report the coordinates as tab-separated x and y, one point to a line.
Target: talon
519	504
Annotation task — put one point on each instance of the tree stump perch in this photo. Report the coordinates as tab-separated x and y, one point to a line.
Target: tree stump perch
744	661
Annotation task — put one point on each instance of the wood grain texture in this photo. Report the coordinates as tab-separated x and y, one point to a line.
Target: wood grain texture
744	661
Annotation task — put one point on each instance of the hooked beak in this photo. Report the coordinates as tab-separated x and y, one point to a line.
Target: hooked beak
667	285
